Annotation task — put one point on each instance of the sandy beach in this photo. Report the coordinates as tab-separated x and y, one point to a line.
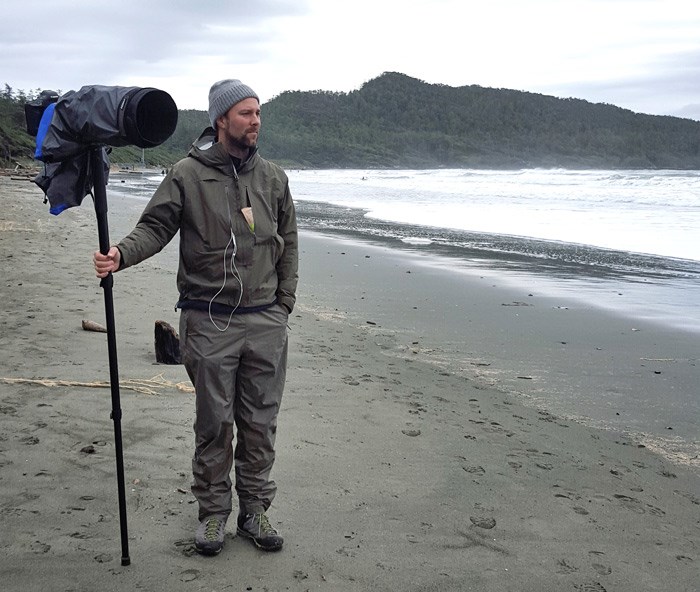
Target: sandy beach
416	449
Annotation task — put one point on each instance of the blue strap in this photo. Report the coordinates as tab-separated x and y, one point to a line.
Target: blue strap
43	128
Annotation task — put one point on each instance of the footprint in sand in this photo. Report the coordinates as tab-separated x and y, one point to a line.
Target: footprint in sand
39	547
689	496
602	570
189	575
564	567
654	511
632	503
187	547
483	522
590	587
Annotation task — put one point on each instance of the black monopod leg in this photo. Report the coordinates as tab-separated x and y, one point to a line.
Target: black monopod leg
96	165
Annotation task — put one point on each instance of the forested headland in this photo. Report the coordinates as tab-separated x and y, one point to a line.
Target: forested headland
395	121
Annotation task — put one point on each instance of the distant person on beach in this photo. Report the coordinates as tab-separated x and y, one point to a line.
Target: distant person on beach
237	279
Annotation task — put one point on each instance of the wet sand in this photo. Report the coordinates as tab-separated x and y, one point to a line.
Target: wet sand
405	462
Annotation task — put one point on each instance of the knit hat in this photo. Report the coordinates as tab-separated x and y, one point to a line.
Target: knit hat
225	94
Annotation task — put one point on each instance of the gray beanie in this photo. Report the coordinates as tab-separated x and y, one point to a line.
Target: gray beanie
225	94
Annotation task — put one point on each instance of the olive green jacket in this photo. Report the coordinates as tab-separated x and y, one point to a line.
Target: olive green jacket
203	196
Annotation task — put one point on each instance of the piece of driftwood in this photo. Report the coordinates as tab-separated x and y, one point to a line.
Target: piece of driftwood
148	386
93	326
167	343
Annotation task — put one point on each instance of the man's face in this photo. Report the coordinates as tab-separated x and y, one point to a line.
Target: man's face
239	127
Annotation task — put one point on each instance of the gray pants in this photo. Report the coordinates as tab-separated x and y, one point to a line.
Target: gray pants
238	376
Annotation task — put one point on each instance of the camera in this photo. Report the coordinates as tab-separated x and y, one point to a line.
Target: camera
68	128
99	115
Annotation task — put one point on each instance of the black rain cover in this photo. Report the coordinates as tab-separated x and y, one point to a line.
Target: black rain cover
90	118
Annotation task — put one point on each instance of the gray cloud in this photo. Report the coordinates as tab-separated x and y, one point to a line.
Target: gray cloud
671	86
183	46
64	43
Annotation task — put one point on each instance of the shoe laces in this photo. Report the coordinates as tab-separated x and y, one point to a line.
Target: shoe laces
264	526
211	531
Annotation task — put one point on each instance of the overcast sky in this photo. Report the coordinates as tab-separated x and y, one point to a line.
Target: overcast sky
642	55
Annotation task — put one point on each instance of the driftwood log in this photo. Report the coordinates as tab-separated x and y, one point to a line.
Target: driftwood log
93	326
167	343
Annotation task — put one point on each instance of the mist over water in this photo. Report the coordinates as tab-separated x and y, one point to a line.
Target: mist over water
654	212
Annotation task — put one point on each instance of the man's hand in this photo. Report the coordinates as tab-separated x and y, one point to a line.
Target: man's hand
104	264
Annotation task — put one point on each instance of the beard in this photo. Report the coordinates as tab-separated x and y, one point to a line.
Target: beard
243	141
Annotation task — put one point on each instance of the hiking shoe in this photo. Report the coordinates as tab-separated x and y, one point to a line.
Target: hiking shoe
258	528
209	538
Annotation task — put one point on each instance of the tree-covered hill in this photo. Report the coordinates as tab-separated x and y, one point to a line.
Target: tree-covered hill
395	121
15	143
398	121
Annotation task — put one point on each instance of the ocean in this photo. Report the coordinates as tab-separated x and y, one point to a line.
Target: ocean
652	212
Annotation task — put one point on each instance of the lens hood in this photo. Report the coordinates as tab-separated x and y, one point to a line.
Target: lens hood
147	117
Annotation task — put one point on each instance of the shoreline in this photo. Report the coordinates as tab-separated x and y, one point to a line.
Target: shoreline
600	287
406	457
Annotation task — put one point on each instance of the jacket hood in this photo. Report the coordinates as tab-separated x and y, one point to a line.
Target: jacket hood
211	153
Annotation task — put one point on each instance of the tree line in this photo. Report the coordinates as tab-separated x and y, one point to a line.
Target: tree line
395	121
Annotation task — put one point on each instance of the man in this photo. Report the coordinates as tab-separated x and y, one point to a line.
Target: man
237	280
